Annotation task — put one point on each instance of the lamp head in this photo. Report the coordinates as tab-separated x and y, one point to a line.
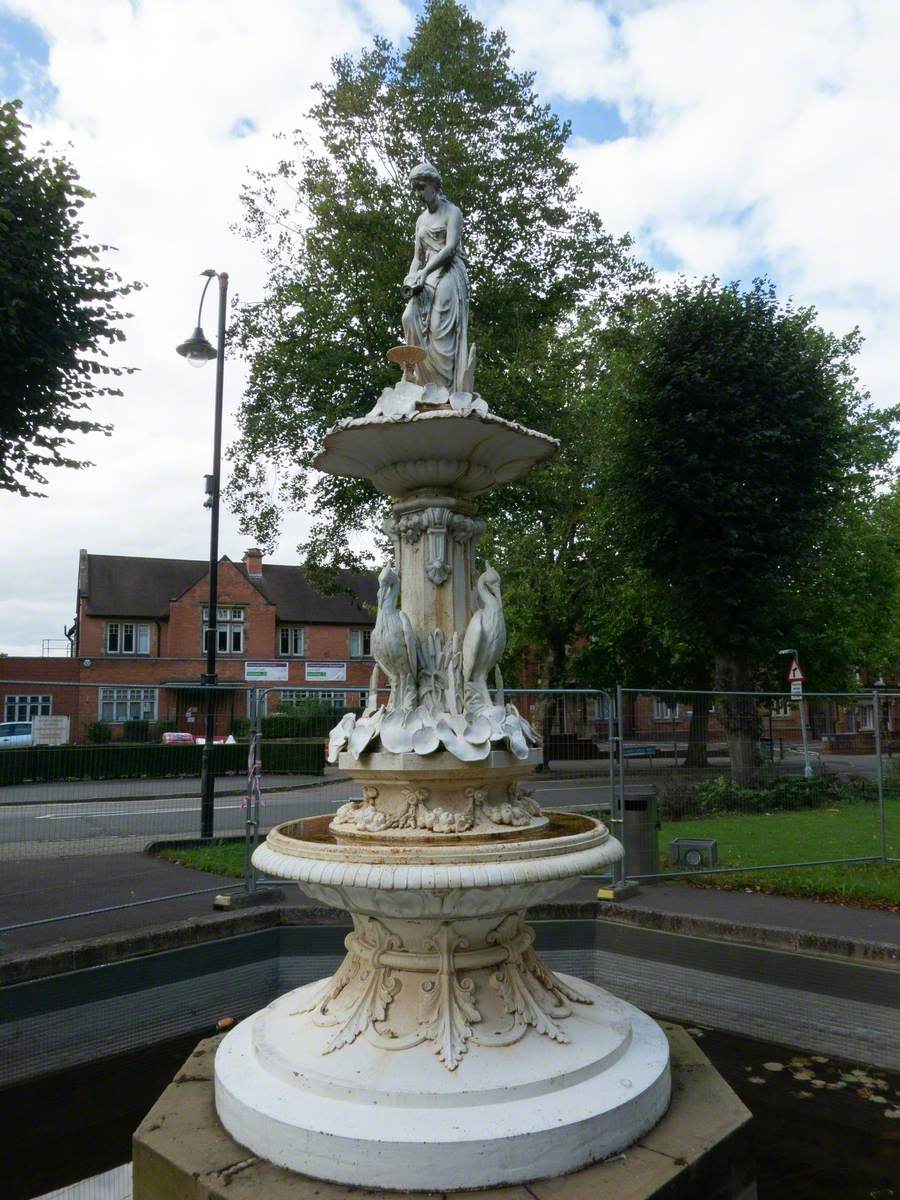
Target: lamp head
197	349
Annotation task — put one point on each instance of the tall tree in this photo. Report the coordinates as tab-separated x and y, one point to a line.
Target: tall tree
742	456
337	223
58	311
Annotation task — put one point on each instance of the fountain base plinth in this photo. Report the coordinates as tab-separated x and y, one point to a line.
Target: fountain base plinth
443	1053
376	1116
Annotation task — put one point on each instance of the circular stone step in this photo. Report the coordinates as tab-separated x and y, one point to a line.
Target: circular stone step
368	1114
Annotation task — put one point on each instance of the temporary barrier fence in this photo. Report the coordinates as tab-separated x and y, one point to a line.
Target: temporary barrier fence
692	782
752	781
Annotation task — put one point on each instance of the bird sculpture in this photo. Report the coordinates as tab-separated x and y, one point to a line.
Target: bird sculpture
394	643
484	641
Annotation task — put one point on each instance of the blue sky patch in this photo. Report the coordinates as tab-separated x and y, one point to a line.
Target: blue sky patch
243	127
24	55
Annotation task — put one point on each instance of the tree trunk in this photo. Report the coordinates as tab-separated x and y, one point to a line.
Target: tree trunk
739	717
698	733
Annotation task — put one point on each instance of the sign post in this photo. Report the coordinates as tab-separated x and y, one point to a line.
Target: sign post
795	679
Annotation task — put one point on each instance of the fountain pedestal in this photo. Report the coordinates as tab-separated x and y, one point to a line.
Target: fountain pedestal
443	1054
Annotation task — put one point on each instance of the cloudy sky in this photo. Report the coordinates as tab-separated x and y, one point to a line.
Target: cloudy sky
727	136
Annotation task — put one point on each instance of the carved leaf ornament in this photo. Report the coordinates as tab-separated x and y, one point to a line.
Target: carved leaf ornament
359	998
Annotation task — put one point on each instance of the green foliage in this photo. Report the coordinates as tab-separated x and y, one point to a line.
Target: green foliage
119	761
240	728
788	794
137	731
99	732
308	719
337	226
58	307
743	462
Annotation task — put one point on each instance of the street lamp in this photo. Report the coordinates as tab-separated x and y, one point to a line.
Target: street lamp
198	351
807	769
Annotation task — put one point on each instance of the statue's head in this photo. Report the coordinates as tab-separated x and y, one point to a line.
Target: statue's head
425	179
388	580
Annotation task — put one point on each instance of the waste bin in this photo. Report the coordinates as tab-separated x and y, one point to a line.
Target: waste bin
639	834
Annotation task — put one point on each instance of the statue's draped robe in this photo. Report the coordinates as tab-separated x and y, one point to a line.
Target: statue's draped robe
437	319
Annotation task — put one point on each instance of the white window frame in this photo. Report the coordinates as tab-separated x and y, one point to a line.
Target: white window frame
136	633
115	705
665	710
865	723
358	639
230	625
30	704
291	641
337	699
782	709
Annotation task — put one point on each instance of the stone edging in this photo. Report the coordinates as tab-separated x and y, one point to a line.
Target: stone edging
26	965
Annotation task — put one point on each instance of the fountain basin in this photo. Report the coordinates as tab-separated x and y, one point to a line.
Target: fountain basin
443	1053
442	875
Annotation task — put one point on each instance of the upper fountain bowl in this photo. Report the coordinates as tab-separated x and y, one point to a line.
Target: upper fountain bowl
436	448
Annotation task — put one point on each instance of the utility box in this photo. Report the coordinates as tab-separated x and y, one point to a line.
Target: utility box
639	834
693	852
49	731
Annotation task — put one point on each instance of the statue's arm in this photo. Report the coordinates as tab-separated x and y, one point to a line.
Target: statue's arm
454	235
418	259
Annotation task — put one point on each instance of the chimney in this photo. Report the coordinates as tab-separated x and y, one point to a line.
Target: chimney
253	562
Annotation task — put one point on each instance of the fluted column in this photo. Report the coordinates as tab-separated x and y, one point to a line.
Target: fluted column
433	537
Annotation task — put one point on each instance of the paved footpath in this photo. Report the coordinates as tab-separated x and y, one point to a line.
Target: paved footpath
85	883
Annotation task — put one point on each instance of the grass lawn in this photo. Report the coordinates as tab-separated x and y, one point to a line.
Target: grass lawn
847	830
221	858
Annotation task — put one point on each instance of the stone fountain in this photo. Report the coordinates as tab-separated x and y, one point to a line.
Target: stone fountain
442	1054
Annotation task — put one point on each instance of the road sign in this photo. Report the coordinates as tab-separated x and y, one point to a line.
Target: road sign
796	689
795	675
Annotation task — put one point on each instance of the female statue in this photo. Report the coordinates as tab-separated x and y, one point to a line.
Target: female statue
436	319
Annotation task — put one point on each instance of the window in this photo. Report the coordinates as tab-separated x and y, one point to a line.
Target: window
290	641
229	630
865	717
127	704
127	637
23	708
664	710
299	695
601	708
360	643
782	708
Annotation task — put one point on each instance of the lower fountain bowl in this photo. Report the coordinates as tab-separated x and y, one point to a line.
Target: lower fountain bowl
442	875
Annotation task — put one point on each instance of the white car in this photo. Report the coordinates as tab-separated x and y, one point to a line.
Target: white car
15	733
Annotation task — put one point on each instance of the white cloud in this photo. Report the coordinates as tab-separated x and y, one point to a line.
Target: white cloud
148	95
760	136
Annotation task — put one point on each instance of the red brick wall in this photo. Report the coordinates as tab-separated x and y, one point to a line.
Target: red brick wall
176	654
35	677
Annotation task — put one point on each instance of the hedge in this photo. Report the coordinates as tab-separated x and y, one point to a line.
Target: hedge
54	764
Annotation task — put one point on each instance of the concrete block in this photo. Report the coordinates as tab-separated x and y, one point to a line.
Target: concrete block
701	1147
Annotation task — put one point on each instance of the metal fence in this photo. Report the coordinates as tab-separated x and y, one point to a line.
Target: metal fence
693	783
734	782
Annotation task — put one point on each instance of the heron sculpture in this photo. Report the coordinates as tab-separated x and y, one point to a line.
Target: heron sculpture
394	643
484	641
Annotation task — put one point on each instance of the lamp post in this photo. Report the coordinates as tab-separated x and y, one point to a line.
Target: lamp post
198	351
807	768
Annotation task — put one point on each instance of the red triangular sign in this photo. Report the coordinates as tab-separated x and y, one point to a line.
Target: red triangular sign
795	675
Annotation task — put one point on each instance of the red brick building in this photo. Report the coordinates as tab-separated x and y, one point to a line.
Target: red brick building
140	638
